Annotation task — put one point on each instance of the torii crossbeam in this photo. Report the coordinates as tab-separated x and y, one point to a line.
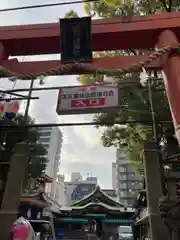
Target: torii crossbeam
143	32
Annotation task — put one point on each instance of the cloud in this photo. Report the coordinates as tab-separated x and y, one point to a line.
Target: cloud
82	149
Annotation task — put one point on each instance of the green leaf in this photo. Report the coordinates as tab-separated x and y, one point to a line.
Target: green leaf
71	14
10	136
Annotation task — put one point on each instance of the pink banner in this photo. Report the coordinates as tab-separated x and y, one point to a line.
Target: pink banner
12	106
9	107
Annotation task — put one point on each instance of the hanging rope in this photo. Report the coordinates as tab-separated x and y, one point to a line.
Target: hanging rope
80	67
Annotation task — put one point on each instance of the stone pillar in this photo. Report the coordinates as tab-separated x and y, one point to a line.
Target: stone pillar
92	236
171	185
11	199
171	75
154	187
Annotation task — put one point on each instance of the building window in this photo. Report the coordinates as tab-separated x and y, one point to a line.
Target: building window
42	129
45	134
46	146
123	194
123	185
123	177
45	140
122	169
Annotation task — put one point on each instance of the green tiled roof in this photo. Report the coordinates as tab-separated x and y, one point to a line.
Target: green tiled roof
100	204
100	196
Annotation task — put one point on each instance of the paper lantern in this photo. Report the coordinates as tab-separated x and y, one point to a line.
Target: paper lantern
9	109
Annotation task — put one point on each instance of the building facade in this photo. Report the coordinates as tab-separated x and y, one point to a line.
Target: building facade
51	138
114	176
75	176
128	183
60	196
77	188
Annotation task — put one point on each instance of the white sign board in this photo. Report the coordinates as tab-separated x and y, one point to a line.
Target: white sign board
46	212
87	99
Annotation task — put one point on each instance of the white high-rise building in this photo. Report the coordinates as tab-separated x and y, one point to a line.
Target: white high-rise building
51	138
114	176
60	196
128	183
76	177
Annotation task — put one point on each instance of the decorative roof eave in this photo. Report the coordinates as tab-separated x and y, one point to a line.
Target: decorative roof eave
98	189
54	206
143	190
95	204
33	201
48	179
111	199
143	221
83	199
34	198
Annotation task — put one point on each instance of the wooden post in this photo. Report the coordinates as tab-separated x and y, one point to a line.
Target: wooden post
171	75
154	186
3	53
11	199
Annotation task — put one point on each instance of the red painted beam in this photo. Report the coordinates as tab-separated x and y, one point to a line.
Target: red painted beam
105	62
108	34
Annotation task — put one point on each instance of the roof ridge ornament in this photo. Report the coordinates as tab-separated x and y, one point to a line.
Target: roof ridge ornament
98	188
96	200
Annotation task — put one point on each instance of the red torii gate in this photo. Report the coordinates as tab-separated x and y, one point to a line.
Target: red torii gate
160	30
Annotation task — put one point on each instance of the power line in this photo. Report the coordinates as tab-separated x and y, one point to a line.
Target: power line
48	88
67	3
46	5
122	85
14	94
17	99
74	2
16	127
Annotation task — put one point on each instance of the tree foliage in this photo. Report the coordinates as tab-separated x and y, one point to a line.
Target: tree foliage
114	8
8	139
135	103
71	14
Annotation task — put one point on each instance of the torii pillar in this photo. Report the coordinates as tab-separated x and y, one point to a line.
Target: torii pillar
3	53
171	75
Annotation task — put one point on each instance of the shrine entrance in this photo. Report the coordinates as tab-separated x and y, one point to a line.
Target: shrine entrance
96	214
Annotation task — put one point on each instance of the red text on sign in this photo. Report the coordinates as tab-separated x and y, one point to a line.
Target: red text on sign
83	103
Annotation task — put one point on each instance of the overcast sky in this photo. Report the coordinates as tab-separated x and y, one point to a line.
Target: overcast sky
82	149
